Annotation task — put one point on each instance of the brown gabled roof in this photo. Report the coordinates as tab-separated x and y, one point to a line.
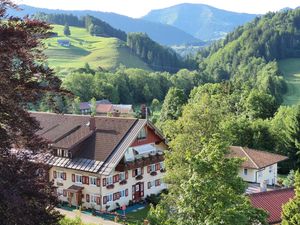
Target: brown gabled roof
272	201
255	159
68	131
107	136
104	108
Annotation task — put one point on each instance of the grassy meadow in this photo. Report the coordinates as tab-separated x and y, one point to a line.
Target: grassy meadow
107	53
291	70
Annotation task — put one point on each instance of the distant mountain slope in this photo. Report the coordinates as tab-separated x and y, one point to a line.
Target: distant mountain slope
163	34
201	21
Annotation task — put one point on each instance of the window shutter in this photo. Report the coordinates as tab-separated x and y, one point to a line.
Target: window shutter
104	199
159	182
87	180
98	182
54	174
126	192
148	169
117	177
104	182
157	166
87	198
64	193
73	177
98	200
114	196
83	180
142	189
142	170
149	185
65	176
126	175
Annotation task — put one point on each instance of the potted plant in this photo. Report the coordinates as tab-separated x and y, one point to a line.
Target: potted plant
153	173
110	186
139	177
122	182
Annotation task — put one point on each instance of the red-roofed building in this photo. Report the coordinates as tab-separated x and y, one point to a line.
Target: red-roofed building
272	202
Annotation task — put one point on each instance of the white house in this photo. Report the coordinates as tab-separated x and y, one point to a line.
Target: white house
258	166
102	162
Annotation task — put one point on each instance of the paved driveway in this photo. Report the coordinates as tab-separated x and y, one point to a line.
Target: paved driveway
86	218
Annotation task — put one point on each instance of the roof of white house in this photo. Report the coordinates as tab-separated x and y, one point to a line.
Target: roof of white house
255	159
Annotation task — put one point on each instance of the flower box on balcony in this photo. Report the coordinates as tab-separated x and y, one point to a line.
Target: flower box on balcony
153	173
139	177
123	182
111	186
163	170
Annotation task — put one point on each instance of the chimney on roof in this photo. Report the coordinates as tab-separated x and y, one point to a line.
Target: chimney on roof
92	123
116	113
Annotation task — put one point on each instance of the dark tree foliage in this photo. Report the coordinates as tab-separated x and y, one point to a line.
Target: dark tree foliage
67	31
25	198
158	57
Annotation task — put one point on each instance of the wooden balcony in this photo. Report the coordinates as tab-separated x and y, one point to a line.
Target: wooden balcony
142	162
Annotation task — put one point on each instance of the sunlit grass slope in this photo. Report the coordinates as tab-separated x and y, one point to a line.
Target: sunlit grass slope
107	53
291	70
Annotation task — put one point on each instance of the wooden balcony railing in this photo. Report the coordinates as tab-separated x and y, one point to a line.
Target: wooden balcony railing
145	161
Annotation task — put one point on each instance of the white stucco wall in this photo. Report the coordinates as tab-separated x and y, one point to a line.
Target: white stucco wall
268	174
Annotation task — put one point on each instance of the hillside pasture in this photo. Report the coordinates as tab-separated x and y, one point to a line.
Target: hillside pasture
107	53
291	70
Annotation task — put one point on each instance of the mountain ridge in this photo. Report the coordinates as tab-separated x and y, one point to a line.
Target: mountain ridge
163	34
208	22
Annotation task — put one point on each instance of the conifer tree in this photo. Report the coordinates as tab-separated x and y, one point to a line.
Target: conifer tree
67	31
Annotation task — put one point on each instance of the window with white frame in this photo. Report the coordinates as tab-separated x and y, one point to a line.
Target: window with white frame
109	180
65	153
78	178
138	171
162	165
59	191
245	172
60	175
93	181
152	167
122	176
270	169
93	199
142	134
151	184
109	198
59	152
122	194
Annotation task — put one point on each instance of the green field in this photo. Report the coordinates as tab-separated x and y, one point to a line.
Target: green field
107	53
291	70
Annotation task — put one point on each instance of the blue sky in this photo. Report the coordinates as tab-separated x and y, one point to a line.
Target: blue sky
138	8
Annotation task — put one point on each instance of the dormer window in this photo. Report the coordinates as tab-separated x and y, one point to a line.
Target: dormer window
62	153
142	134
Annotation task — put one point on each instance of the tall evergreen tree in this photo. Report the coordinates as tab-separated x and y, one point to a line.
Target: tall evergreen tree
291	210
67	31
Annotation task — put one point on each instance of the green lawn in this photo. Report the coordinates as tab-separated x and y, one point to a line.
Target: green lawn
291	70
107	53
137	217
